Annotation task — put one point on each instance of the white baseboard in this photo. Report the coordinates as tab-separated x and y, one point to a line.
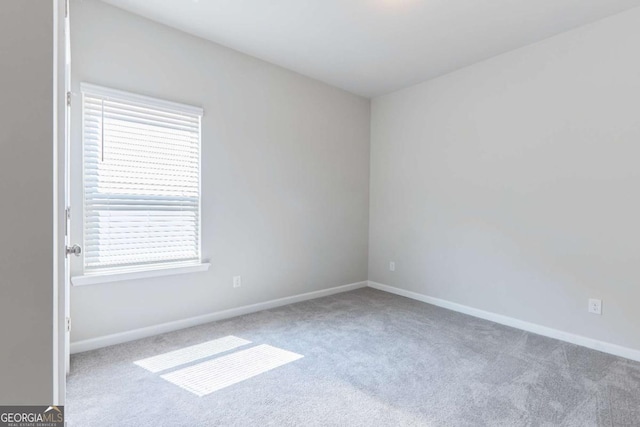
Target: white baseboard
135	334
580	340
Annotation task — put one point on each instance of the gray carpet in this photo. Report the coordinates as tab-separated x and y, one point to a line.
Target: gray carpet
370	359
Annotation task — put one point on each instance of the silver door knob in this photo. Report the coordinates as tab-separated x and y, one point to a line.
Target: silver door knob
75	250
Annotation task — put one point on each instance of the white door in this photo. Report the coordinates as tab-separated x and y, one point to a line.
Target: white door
71	248
62	201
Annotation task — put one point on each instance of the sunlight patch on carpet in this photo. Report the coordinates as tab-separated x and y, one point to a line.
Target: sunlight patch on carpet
189	354
212	375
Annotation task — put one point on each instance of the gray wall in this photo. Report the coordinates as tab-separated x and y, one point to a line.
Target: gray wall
512	185
26	217
285	172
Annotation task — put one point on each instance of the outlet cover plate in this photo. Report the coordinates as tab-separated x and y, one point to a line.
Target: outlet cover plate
595	306
237	281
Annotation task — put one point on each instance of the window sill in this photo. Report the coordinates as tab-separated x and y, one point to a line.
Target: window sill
94	279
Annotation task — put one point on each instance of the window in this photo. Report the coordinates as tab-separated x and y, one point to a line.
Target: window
141	182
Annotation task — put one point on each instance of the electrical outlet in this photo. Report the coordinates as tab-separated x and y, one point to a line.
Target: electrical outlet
392	266
237	281
595	306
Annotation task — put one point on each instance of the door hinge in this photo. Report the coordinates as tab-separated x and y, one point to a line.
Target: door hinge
67	218
68	324
69	99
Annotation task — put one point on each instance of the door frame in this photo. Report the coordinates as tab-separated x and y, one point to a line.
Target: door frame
61	63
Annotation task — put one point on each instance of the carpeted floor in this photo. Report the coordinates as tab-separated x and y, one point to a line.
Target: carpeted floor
370	359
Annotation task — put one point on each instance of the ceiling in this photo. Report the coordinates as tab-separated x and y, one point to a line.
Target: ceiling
372	47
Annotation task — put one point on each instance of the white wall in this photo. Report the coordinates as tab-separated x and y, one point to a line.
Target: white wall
512	185
285	172
26	188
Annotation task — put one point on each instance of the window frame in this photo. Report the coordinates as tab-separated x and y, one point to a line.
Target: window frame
112	274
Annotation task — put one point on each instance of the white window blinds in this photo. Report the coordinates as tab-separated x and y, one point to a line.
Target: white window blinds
141	181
